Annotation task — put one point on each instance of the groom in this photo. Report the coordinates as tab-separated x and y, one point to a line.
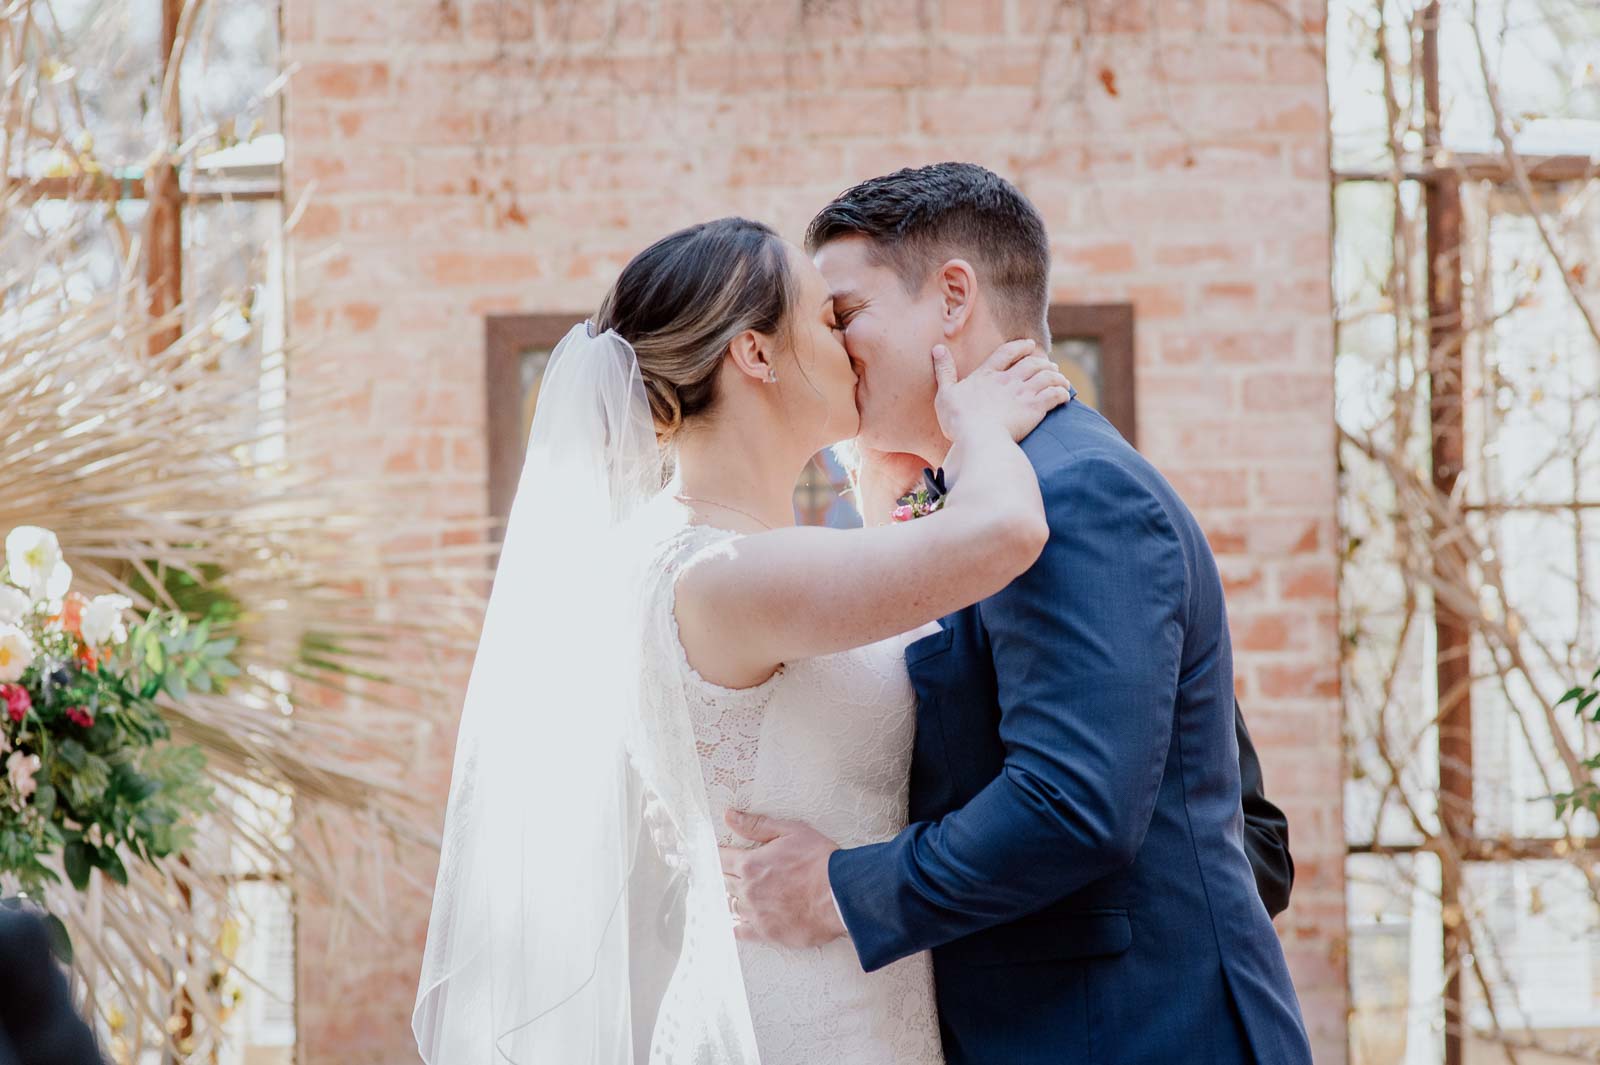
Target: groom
1076	859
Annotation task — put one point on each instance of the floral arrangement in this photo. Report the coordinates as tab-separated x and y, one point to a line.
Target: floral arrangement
926	498
91	777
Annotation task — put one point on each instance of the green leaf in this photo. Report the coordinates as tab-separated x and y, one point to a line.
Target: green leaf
155	656
44	800
75	857
73	753
113	865
1571	694
60	939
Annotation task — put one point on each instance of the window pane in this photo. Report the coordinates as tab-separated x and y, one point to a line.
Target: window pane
69	249
233	286
1079	359
228	69
1541	55
111	51
1395	948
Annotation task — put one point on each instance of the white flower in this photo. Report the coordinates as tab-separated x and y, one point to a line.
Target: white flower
14	606
33	557
16	653
19	771
102	620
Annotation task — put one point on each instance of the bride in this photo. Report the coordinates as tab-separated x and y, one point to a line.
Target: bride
662	643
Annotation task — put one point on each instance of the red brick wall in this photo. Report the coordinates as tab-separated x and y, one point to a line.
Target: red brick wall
470	156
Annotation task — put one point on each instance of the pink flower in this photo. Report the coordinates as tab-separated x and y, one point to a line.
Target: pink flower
17	701
80	716
19	771
904	512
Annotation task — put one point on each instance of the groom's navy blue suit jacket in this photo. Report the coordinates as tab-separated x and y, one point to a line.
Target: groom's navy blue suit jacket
1076	857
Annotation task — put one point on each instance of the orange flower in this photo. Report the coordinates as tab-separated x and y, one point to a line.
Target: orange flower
71	616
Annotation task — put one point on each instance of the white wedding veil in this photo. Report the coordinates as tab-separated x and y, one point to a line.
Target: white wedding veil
579	916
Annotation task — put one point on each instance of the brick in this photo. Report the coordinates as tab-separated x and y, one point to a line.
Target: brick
976	17
1227	298
1296	62
768	69
853	114
1276	18
1209	61
317	222
1268	633
479	267
1210	489
1179	393
695	21
1212	160
1191	16
1292	488
299	23
1316	581
1001	110
501	21
1228	346
754	21
1203	253
908	67
1299	681
360	317
347	80
1311	392
338	170
1158	301
1112	257
1240	577
353	23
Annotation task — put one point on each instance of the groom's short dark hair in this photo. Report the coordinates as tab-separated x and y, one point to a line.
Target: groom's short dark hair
919	218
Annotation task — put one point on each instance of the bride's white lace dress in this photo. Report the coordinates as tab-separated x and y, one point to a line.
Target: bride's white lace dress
826	741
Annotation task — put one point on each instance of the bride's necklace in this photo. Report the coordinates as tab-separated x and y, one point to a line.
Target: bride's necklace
724	506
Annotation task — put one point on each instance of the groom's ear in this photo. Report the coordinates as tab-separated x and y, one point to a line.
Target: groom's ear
957	286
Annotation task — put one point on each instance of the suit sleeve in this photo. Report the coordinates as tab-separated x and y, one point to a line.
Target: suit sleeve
1266	829
1086	649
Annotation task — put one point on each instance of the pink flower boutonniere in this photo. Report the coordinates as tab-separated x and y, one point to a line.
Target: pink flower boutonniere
925	498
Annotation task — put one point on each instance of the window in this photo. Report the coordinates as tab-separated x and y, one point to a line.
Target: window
1093	344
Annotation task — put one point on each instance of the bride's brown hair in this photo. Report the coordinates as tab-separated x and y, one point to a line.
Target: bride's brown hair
681	301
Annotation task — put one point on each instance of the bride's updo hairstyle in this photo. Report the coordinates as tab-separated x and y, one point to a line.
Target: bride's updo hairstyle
682	300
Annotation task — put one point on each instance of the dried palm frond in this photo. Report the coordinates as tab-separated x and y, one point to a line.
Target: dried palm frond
170	474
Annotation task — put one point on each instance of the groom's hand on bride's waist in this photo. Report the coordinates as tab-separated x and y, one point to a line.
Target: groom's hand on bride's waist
778	890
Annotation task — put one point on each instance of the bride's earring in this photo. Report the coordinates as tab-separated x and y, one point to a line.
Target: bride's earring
772	375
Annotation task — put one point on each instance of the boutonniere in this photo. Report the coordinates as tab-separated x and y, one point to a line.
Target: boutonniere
925	498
